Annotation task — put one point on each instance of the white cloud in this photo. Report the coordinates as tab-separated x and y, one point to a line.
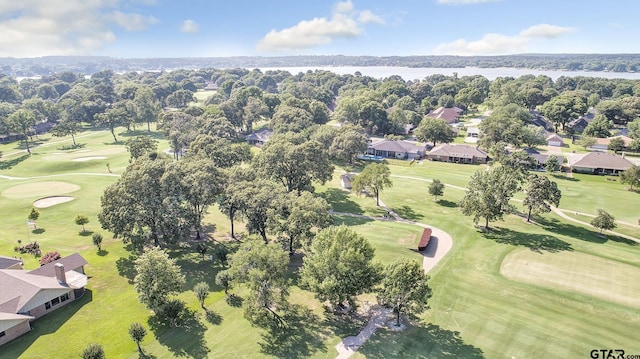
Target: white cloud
464	2
30	28
367	17
499	44
133	22
344	23
343	7
189	26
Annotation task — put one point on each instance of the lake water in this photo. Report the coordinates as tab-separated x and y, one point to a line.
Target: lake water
413	73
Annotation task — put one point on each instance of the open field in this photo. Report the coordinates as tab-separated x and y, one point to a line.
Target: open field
487	300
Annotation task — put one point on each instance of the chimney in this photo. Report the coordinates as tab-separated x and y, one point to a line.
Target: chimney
60	276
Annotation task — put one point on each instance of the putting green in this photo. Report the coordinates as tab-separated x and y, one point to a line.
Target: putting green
40	189
575	272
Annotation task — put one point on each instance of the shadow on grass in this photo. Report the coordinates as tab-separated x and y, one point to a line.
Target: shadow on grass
564	177
407	212
142	132
340	202
339	220
536	242
234	300
213	317
146	356
126	267
446	203
344	325
72	147
103	252
8	164
186	340
38	231
419	342
43	326
301	336
85	233
579	232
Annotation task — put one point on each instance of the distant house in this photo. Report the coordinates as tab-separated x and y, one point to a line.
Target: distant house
458	154
540	121
399	149
579	124
603	143
449	114
346	179
555	140
28	295
600	163
473	134
541	159
259	137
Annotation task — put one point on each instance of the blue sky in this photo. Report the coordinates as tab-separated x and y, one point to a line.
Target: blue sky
193	28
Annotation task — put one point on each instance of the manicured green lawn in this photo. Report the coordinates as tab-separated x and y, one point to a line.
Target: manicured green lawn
476	310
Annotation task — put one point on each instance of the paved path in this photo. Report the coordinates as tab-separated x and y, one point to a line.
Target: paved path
439	246
561	213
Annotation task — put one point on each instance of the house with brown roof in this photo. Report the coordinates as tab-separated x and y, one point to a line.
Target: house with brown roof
28	295
458	154
449	114
555	140
398	149
600	163
603	143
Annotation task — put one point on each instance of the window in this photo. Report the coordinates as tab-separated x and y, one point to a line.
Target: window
55	301
47	305
2	334
65	297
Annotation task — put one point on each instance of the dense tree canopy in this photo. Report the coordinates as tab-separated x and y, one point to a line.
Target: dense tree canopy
157	278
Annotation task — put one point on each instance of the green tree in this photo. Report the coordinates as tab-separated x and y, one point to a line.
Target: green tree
631	176
137	332
172	309
506	124
34	215
201	290
93	351
338	266
405	288
349	141
263	269
374	178
66	128
552	164
295	217
140	145
541	193
255	201
488	194
435	130
180	98
599	127
157	277
223	279
616	144
561	109
587	141
97	240
81	220
147	107
436	189
295	162
634	128
22	121
603	221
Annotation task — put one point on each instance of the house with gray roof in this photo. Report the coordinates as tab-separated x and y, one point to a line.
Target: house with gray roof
28	295
259	137
398	149
541	158
10	263
458	154
600	163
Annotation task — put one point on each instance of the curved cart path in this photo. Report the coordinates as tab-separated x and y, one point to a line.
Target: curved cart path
439	245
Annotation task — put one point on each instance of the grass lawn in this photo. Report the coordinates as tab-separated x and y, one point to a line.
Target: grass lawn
511	292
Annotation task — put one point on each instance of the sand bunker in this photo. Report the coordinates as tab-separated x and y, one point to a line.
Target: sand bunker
51	201
83	159
40	189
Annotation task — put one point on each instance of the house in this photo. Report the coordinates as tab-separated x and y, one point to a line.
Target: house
449	114
600	163
540	121
541	159
555	140
346	179
603	143
28	295
259	137
579	124
10	263
458	154
473	134
398	149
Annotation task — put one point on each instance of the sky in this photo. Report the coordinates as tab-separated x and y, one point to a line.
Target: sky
211	28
